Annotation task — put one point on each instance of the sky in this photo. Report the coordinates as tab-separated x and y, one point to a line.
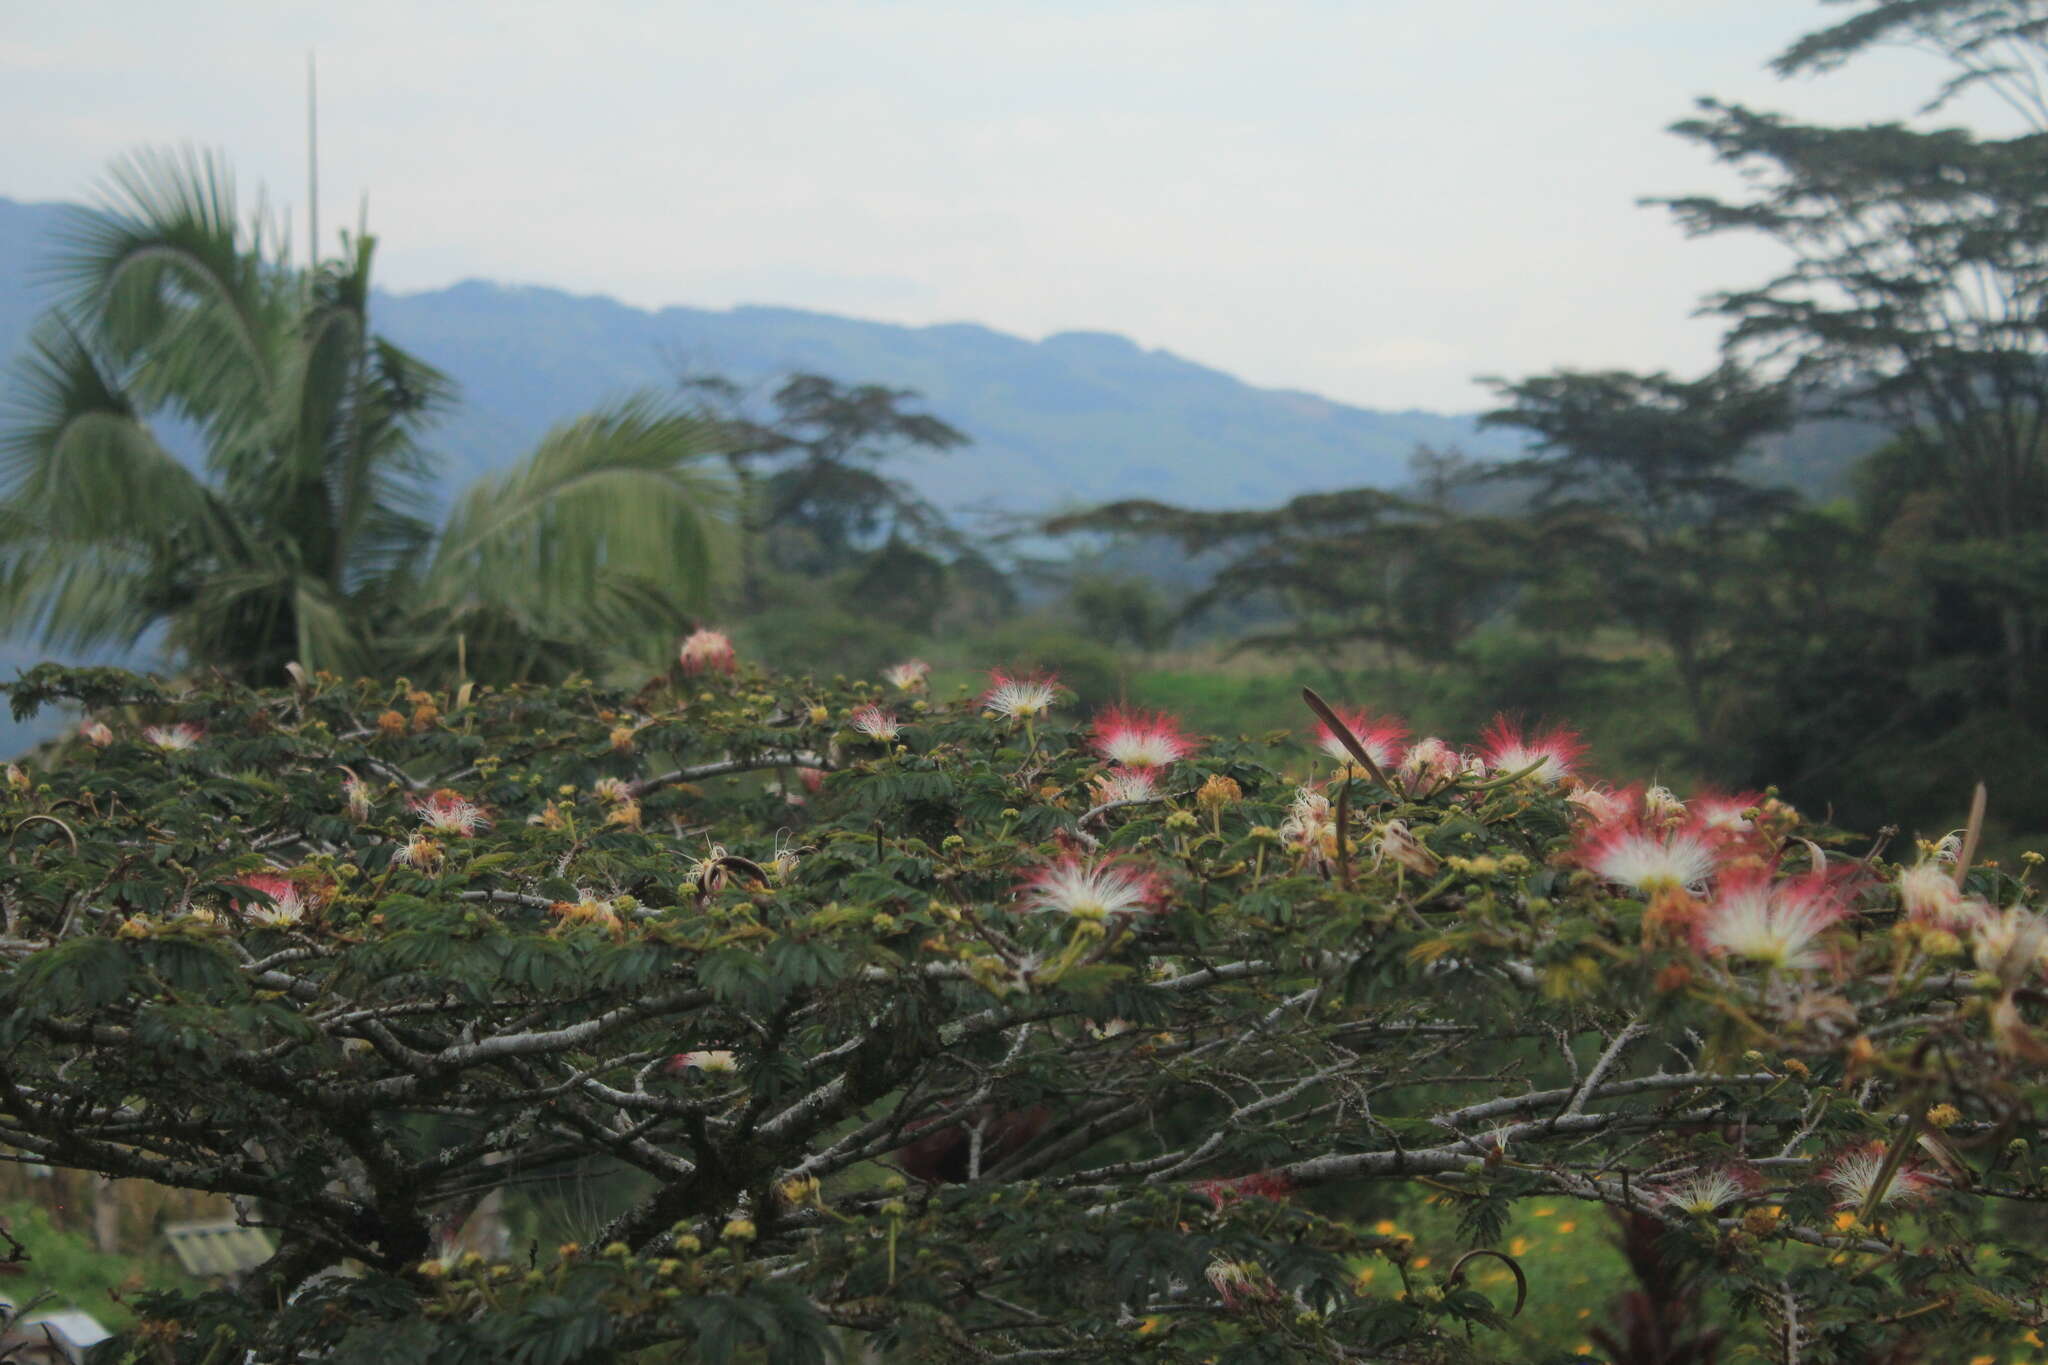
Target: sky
1374	200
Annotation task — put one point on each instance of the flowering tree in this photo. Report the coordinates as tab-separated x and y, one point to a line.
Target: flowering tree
976	1030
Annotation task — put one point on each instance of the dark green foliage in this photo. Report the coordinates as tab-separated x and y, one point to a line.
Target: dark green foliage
715	1005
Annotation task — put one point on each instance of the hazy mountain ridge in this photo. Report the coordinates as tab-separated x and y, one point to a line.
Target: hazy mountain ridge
1079	417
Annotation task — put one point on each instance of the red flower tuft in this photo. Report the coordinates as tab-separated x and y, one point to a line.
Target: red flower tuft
1258	1185
1507	749
1140	739
1639	854
1382	737
1723	817
286	903
1775	923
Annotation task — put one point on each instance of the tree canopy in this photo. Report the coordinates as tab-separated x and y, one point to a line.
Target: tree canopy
980	1030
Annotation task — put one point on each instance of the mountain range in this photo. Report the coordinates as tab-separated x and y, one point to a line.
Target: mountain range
1077	418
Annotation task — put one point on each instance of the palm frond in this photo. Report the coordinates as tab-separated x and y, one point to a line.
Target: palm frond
74	596
78	464
614	524
161	274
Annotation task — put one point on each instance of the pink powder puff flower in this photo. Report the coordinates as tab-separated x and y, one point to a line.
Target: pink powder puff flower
1140	739
707	651
1429	766
1852	1175
96	733
875	723
1124	784
172	738
1769	922
449	812
908	676
1025	698
812	778
1380	737
287	904
1710	1189
1554	752
1091	890
1726	818
1633	853
611	789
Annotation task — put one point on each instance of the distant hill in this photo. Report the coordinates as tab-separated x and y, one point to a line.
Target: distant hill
1076	418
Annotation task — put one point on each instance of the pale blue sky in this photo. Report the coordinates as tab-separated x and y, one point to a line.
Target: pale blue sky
1374	200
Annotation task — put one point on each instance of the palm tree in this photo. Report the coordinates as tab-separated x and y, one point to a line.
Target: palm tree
301	530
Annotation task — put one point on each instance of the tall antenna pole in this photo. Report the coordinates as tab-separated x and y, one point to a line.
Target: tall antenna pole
312	166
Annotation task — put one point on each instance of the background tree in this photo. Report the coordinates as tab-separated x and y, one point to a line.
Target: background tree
1636	478
1362	567
300	530
811	494
1920	267
1997	45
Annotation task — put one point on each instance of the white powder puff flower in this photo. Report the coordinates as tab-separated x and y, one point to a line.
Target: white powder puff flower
875	723
1853	1175
1019	698
1649	860
447	812
1124	784
1090	889
1776	924
172	738
1708	1191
